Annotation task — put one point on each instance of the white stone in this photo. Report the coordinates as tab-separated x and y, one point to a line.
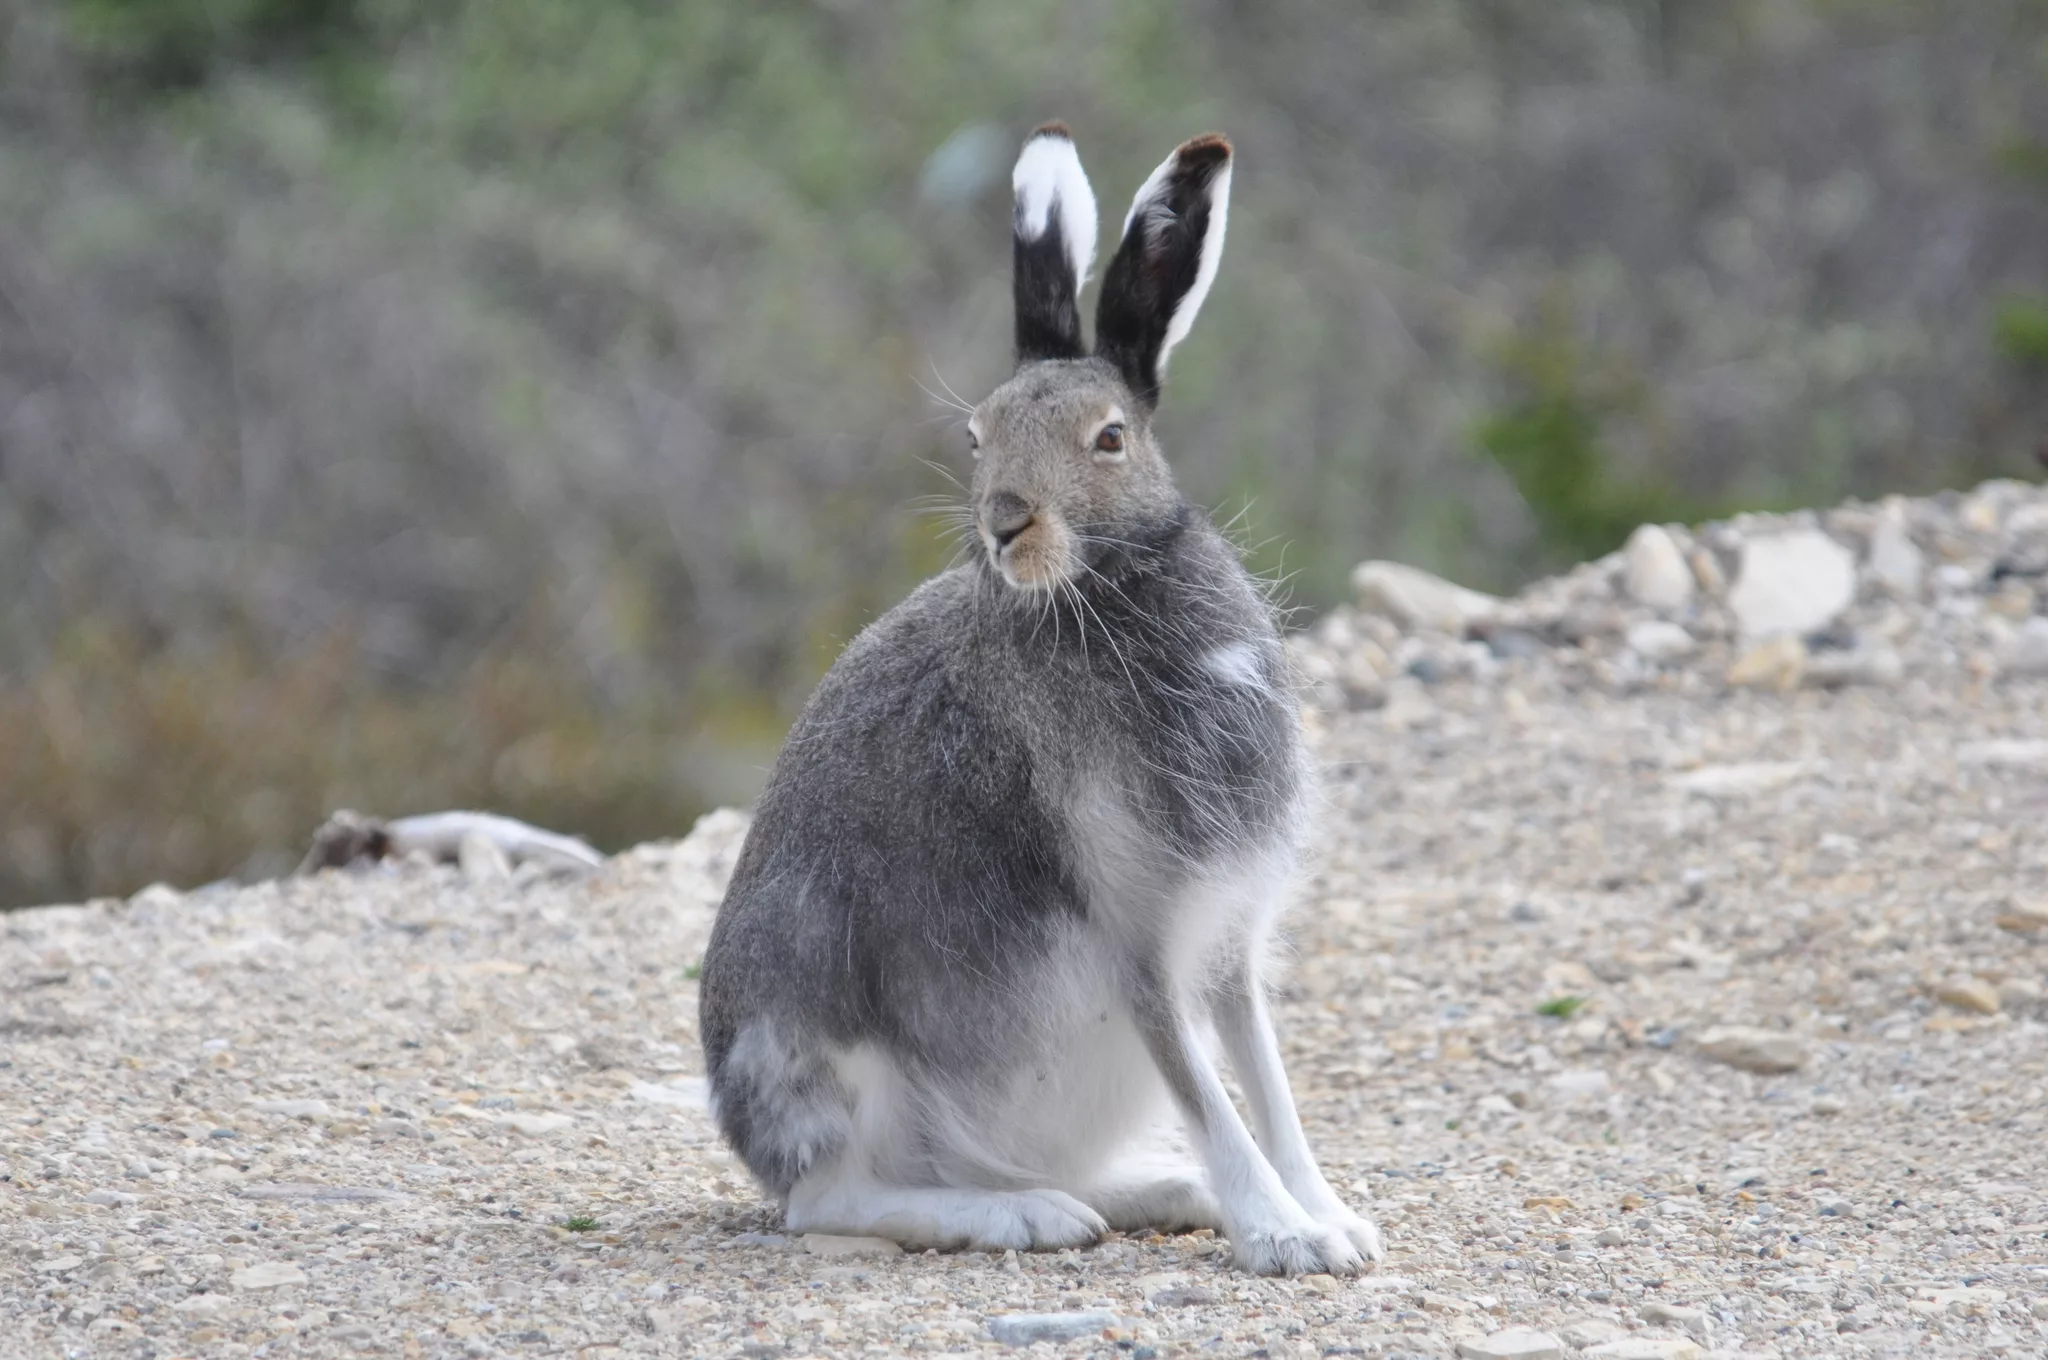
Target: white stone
2027	653
292	1109
1645	1348
1692	1321
1754	1050
1581	1083
1953	578
1717	781
834	1245
1591	1331
534	1125
1408	704
685	1093
1516	1343
1658	640
1022	1329
1871	664
1413	598
157	895
268	1275
2019	752
1895	563
1964	1298
1654	570
1792	583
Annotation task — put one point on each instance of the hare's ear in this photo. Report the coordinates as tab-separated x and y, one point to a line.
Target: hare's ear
1161	272
1053	245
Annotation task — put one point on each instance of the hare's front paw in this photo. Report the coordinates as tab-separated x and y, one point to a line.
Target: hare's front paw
1306	1248
1359	1230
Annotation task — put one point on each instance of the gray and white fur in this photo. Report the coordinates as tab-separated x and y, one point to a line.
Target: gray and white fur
1013	879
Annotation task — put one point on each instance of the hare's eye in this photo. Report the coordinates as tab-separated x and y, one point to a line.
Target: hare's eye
974	443
1111	440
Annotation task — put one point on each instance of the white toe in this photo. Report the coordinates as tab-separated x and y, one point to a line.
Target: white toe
1305	1249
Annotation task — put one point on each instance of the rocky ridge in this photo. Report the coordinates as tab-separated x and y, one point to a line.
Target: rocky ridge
1862	594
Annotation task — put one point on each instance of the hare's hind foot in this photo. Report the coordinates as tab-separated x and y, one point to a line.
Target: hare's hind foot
1168	1201
920	1217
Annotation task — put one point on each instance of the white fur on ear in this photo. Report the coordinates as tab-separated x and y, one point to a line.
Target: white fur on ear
1049	178
1151	203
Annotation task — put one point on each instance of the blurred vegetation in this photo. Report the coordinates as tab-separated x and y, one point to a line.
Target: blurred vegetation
518	402
2023	330
1550	435
126	766
168	44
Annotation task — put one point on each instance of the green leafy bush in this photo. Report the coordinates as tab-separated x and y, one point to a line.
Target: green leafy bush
126	765
2021	329
1552	434
176	43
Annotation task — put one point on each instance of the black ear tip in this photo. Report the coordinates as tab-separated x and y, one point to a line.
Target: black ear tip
1210	149
1053	129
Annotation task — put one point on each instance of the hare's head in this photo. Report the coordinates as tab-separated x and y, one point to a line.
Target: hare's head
1068	473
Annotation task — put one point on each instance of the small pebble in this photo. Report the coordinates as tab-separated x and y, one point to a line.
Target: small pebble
833	1246
1023	1329
1969	994
1516	1343
1754	1050
1657	640
1688	1319
1793	582
1645	1348
268	1275
1655	572
1584	1332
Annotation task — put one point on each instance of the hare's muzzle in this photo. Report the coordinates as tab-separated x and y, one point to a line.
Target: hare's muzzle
1005	515
1029	545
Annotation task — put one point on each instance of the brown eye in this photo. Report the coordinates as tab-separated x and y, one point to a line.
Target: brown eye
1111	440
974	443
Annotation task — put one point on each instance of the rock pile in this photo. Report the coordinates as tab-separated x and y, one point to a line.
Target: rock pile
1858	595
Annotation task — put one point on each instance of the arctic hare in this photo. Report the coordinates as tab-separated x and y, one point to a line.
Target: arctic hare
1022	853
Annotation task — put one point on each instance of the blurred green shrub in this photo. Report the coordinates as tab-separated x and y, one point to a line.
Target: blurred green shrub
2021	329
1552	435
126	766
170	44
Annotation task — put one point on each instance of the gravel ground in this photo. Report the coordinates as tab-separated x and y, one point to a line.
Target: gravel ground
1657	1014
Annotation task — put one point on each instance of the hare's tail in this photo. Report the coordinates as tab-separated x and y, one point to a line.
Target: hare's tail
780	1104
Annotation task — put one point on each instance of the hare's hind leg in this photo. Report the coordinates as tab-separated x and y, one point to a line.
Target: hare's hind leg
844	1200
885	1178
1169	1199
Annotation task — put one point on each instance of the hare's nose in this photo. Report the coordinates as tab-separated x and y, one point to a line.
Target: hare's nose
1006	516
